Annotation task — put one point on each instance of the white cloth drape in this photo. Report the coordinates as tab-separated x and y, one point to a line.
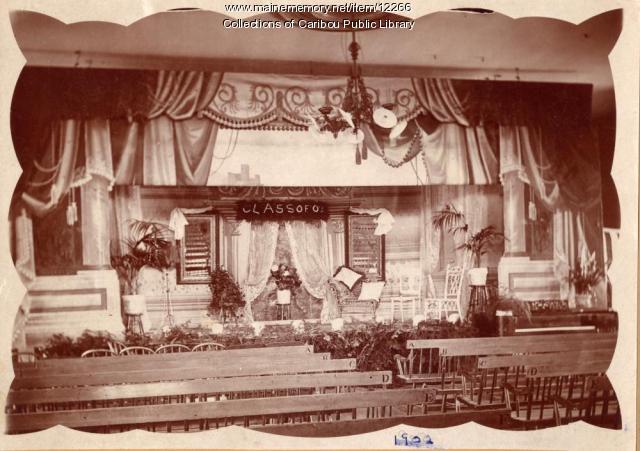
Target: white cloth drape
310	254
98	153
177	219
384	218
263	241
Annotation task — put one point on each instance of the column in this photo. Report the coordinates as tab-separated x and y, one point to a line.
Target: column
231	234
95	220
513	213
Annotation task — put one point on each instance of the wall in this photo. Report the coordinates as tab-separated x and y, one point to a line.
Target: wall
404	271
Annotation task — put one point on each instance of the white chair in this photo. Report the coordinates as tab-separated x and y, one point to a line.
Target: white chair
449	301
406	304
208	346
98	353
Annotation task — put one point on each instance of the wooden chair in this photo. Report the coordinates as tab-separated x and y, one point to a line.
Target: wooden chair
599	393
97	353
136	350
210	346
449	301
172	348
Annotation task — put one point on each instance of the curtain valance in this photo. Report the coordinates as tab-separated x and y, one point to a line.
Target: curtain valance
160	128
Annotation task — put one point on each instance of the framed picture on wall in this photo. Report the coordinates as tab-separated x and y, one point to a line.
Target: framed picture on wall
198	249
364	249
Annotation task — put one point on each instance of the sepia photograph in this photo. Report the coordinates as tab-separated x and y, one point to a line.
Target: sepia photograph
316	221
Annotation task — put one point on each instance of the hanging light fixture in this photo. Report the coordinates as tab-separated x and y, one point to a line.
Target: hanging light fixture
356	108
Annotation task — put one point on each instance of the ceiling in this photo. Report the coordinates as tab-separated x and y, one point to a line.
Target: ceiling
444	44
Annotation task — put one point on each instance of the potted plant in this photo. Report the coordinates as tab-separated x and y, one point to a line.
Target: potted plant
226	295
475	244
584	276
149	244
286	279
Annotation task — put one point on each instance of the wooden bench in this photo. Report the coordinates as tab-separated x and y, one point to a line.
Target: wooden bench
168	392
206	415
453	363
199	369
130	362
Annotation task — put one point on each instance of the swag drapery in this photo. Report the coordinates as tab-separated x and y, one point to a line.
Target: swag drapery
169	138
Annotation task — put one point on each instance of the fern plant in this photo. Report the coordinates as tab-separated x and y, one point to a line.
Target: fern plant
475	243
148	244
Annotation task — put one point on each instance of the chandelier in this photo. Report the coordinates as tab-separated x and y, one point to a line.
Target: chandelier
356	108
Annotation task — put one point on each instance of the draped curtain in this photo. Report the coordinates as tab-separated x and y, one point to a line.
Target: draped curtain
171	145
262	247
25	258
310	252
541	136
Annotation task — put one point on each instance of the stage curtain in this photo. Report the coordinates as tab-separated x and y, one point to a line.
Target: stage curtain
310	254
182	94
195	141
126	207
263	240
569	186
453	154
159	157
76	151
25	258
127	152
54	174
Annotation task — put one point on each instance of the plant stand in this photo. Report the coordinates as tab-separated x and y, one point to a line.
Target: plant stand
134	323
478	299
283	311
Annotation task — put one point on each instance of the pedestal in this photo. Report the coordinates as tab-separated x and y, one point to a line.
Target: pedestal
88	300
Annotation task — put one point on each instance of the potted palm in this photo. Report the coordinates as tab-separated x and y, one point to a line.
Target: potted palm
584	276
475	244
149	244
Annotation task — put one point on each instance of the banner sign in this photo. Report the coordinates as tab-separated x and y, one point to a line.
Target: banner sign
281	210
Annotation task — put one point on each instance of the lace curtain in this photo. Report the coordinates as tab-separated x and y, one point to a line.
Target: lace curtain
310	252
262	246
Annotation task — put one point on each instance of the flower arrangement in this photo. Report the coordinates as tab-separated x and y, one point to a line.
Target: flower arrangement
585	275
285	277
